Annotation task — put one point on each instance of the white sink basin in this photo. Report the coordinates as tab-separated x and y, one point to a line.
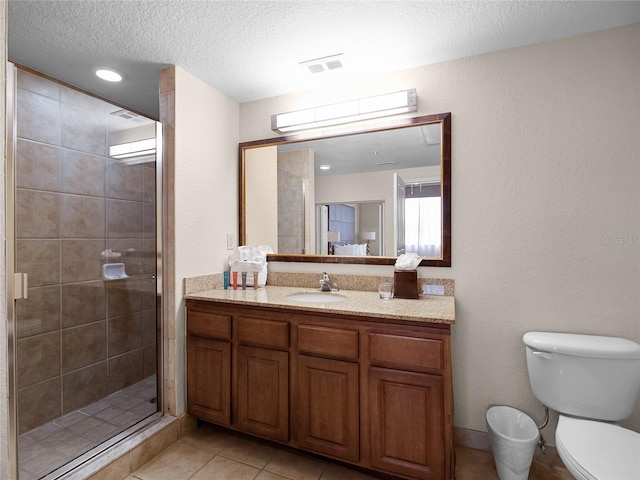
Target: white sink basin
313	297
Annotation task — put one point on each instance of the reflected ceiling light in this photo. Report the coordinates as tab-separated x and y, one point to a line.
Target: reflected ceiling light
346	112
108	74
133	149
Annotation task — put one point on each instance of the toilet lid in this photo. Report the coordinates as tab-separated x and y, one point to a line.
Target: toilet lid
598	450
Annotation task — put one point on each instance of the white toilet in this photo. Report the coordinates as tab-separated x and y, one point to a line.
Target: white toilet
591	382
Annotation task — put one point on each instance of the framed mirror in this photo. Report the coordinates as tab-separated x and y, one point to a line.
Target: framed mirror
362	197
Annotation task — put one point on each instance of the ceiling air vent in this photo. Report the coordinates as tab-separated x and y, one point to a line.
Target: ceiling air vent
324	64
127	115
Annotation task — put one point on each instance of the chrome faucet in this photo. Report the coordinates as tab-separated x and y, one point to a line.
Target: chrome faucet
325	286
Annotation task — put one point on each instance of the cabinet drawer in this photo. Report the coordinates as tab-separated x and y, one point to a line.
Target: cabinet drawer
328	341
267	333
207	324
406	353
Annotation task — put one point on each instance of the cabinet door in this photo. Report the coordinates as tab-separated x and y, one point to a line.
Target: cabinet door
406	423
263	392
209	379
327	407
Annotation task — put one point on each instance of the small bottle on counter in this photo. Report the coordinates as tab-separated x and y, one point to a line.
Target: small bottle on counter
255	280
226	280
235	280
244	280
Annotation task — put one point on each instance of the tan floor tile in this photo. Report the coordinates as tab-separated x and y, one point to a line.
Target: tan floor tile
540	471
247	451
474	464
209	438
296	466
221	468
264	475
179	461
336	472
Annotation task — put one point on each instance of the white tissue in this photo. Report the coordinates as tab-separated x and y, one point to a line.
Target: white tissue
246	259
110	254
408	261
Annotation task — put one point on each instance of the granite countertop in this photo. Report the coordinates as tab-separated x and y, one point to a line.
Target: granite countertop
427	309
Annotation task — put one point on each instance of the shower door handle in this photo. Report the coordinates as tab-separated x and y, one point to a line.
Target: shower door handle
20	286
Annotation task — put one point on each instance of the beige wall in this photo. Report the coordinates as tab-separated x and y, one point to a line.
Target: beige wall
261	189
546	213
202	170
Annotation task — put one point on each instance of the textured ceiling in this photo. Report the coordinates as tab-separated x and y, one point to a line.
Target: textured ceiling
251	50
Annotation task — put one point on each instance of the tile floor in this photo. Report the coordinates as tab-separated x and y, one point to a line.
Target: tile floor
55	443
211	453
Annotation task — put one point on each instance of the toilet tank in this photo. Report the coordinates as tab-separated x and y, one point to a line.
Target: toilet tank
584	375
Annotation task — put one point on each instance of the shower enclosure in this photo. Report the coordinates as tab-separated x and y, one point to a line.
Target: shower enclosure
84	328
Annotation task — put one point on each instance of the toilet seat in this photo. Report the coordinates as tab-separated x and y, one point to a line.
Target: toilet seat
594	450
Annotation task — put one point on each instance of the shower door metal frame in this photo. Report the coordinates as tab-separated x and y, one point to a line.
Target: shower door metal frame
10	266
16	287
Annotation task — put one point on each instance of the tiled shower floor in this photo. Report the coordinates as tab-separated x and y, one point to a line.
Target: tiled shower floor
54	444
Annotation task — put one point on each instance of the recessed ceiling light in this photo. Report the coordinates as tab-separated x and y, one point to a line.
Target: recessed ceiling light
108	74
325	167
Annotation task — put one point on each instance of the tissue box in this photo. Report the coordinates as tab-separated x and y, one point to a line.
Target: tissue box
405	284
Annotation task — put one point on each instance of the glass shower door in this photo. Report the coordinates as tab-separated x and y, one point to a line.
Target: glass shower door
85	348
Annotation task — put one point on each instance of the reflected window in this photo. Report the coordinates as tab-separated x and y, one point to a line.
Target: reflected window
423	219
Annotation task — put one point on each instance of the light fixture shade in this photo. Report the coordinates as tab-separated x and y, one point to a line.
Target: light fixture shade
345	112
333	236
133	149
368	235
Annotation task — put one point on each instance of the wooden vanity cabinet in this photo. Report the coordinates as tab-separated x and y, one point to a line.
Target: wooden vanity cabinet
371	392
327	400
209	365
262	377
406	402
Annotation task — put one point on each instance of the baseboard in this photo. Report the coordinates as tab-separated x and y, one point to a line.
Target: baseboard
465	437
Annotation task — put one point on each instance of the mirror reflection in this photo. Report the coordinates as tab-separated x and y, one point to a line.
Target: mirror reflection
355	198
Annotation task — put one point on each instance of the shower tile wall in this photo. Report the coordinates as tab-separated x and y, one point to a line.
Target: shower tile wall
79	337
294	214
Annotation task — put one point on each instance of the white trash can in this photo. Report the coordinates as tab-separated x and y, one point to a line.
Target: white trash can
514	437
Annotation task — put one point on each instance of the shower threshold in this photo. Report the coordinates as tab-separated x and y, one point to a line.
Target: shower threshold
60	441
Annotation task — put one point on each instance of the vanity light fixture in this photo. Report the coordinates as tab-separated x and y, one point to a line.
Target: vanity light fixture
346	112
108	74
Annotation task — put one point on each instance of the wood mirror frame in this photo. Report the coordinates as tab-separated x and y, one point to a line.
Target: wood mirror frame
443	261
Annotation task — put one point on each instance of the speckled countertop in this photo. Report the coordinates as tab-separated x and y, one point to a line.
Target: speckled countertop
427	309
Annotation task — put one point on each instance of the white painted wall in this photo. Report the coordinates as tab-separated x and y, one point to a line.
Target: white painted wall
206	193
546	209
